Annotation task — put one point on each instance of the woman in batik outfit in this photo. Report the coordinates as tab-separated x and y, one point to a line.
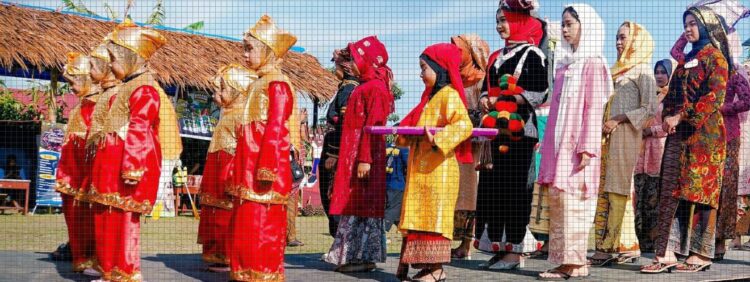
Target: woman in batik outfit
432	185
625	117
231	84
646	180
262	177
359	185
140	129
695	150
504	196
571	149
74	169
474	54
736	104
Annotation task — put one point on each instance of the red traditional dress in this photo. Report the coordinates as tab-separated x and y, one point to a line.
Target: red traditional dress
369	105
216	206
360	237
139	130
263	179
74	166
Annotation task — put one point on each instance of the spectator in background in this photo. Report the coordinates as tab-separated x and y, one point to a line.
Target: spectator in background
395	180
12	170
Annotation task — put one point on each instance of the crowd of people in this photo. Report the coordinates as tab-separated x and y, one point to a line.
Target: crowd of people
647	156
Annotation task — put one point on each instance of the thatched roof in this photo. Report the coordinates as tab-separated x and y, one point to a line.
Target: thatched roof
33	38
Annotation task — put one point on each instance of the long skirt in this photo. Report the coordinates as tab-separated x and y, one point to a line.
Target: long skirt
258	241
646	209
213	234
80	221
504	197
466	205
358	240
727	221
571	219
463	225
118	235
325	184
682	227
743	216
614	224
425	248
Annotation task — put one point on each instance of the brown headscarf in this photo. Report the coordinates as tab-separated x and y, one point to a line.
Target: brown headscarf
474	54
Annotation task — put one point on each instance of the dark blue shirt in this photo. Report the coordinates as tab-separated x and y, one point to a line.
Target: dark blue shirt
396	167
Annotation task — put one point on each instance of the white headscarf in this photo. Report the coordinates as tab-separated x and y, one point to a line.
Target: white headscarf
591	44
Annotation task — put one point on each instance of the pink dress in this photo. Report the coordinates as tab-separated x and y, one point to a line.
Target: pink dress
574	127
649	161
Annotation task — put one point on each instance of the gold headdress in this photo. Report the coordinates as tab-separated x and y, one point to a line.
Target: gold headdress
279	40
142	41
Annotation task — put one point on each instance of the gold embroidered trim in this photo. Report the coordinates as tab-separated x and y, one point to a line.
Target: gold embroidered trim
216	258
265	174
122	276
252	275
210	200
66	189
270	197
116	201
136	174
81	266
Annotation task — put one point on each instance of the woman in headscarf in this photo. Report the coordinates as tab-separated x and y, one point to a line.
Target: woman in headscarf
127	166
695	150
359	185
571	149
474	53
504	196
648	167
625	117
230	92
332	140
74	169
433	174
262	178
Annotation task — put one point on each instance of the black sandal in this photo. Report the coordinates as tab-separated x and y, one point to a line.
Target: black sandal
424	272
602	262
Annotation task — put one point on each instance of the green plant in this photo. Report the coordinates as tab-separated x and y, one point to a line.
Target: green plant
11	109
157	17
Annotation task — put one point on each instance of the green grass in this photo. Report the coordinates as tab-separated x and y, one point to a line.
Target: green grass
42	233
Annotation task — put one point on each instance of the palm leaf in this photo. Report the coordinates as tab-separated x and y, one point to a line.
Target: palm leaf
157	16
196	26
110	11
77	7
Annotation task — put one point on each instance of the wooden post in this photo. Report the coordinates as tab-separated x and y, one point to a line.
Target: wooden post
52	109
315	113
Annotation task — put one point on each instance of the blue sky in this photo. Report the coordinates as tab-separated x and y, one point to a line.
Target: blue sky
406	27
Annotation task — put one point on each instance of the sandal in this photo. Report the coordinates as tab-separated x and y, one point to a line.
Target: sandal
563	276
424	272
460	254
692	268
602	262
623	259
658	267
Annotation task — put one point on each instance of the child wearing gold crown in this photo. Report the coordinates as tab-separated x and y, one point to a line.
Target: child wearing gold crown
267	129
140	129
74	167
231	84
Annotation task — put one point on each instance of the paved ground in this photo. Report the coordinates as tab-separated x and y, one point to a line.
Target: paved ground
29	266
